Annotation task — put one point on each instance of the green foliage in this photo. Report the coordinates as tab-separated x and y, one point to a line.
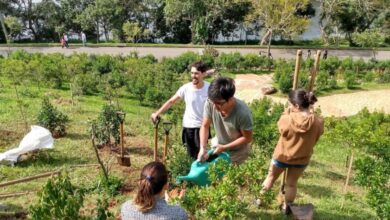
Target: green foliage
132	31
369	38
224	198
111	186
85	84
253	61
282	67
107	126
181	63
229	61
102	212
58	199
52	119
350	79
285	82
330	65
265	132
178	162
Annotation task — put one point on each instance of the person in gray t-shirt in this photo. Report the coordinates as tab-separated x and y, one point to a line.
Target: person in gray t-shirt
232	122
149	203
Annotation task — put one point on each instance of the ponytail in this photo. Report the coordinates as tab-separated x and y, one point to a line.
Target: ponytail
302	98
153	178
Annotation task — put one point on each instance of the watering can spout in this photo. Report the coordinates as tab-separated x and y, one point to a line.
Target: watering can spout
198	173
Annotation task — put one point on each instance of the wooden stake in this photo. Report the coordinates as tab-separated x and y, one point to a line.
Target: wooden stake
314	71
166	146
26	179
348	174
297	68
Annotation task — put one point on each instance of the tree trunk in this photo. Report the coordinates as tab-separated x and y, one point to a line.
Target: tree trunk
269	44
4	29
349	173
265	37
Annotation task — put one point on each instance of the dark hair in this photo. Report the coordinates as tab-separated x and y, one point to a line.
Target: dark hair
221	88
302	98
200	66
154	176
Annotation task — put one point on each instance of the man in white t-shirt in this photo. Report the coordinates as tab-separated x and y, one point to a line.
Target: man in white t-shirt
194	95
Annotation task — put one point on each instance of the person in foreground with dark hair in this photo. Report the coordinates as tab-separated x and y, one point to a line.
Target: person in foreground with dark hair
299	129
149	203
232	122
194	95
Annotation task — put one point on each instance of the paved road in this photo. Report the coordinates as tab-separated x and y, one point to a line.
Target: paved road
160	52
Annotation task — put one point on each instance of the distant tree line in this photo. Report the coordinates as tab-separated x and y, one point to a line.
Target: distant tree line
185	21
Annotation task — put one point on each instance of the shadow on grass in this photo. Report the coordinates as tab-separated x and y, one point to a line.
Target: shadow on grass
316	191
334	176
147	151
10	211
325	215
45	158
77	136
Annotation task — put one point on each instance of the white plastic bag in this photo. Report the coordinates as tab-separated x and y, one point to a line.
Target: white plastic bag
37	138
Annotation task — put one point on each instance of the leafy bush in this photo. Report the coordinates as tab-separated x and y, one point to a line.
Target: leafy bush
265	132
85	84
102	64
252	61
211	51
149	59
181	63
330	65
106	126
178	162
52	119
285	82
369	77
58	199
350	79
282	67
230	61
322	80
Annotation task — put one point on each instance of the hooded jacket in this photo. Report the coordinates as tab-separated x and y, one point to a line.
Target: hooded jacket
299	132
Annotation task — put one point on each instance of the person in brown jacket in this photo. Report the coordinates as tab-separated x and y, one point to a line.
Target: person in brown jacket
299	129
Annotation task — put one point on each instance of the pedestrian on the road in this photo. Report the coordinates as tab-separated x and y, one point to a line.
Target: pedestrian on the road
62	41
300	129
65	36
325	54
308	54
83	38
194	95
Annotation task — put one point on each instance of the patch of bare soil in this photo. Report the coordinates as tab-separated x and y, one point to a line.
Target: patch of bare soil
249	88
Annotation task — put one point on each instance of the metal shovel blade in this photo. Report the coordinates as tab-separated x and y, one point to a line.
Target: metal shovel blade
123	161
302	212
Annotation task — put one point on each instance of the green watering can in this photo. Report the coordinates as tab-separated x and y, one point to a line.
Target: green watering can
198	173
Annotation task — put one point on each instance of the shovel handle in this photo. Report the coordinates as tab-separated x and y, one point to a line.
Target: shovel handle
156	122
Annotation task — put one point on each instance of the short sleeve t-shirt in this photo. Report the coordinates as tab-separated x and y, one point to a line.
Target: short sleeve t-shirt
229	129
195	100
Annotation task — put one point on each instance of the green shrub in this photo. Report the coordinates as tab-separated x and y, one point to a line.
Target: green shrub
384	77
369	77
265	132
102	64
178	162
282	67
229	61
322	80
52	119
58	199
350	79
149	59
210	51
252	61
285	82
208	60
181	63
85	84
347	64
106	126
330	65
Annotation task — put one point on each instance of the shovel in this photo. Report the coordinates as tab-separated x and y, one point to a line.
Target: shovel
155	123
123	160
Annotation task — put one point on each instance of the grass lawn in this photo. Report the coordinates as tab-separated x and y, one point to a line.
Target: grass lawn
322	183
